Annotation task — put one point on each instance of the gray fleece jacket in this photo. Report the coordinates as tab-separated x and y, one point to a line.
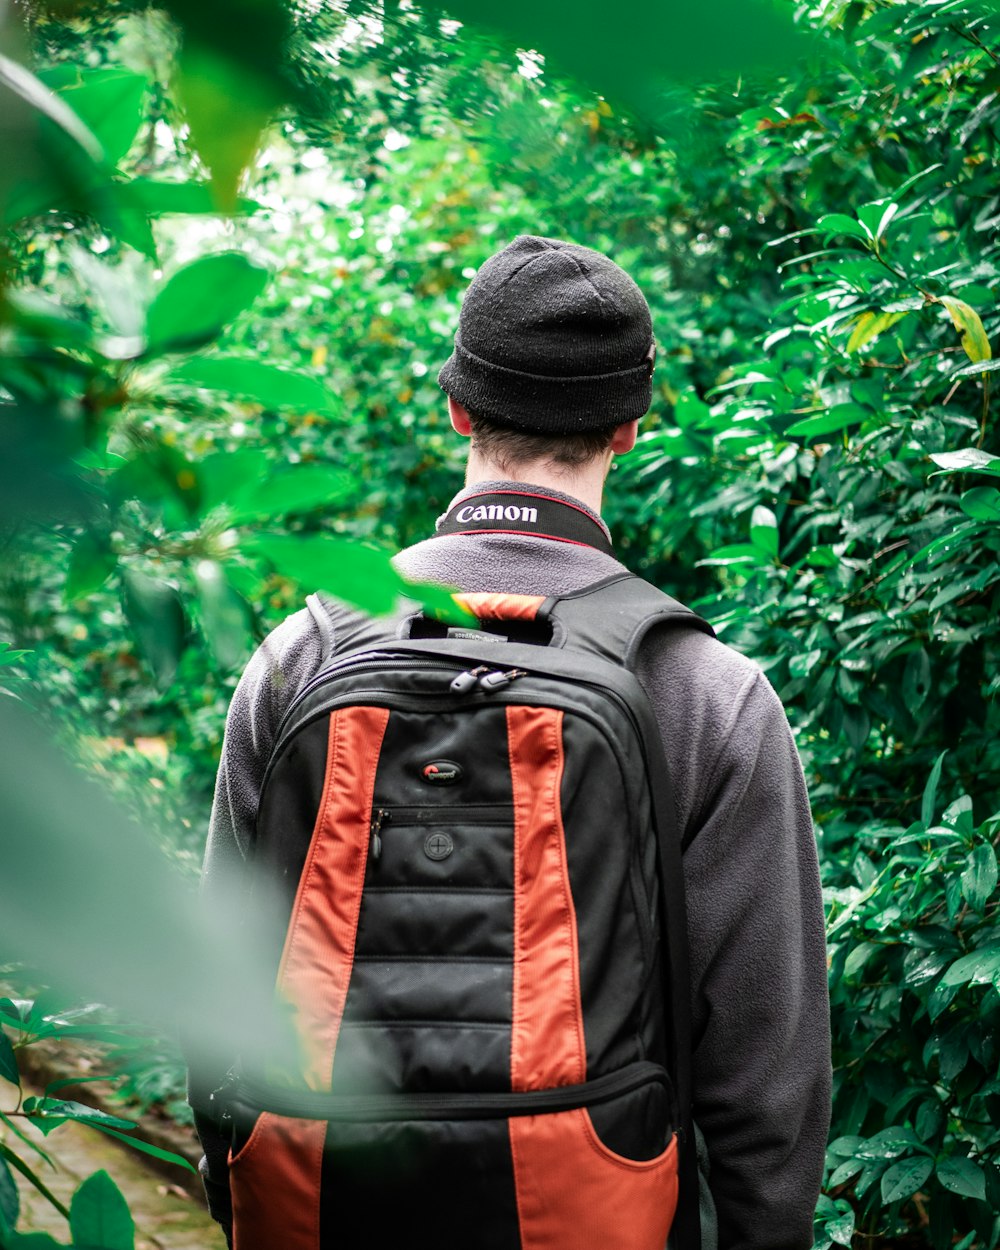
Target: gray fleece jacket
758	956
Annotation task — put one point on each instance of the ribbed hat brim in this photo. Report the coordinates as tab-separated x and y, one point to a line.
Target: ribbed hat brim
546	405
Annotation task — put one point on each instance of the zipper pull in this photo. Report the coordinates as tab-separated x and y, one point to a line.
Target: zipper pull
465	682
381	816
493	681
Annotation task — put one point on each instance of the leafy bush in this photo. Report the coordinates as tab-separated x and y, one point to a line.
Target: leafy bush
915	965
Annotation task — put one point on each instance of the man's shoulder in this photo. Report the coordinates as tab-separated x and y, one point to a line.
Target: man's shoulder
299	647
706	692
282	664
693	657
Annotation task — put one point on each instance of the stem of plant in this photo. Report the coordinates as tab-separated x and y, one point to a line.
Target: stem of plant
986	409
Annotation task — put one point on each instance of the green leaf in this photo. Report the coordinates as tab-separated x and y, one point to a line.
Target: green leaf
147	1148
224	615
200	300
299	489
917	678
930	791
968	460
226	475
844	1172
905	1178
803	665
628	57
764	530
245	485
979	880
965	318
27	87
45	319
888	1143
91	563
31	1142
271	386
8	1061
840	417
49	1113
982	503
976	368
870	325
959	814
840	1229
822	558
840	223
690	411
10	1201
159	198
347	570
738	553
962	1176
225	137
28	1173
111	103
54	1086
980	967
99	1215
154	611
342	567
113	290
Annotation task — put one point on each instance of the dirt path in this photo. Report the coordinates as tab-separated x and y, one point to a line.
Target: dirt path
166	1218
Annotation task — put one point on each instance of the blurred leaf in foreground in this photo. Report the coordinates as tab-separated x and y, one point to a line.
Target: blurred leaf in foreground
90	900
230	80
362	576
630	53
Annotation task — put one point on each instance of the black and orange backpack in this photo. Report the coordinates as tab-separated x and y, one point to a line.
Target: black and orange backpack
482	939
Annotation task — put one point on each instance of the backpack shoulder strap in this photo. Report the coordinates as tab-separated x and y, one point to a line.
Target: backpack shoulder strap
612	617
342	628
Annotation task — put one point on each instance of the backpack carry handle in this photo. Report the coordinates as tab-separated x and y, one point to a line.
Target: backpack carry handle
516	618
501	607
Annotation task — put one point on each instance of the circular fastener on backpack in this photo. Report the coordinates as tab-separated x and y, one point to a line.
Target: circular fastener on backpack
438	846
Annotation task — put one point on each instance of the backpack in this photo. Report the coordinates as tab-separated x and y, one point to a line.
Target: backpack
480	919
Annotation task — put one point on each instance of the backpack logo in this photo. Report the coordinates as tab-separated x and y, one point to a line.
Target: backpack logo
440	773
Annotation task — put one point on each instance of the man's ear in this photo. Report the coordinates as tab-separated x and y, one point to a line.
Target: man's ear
460	418
623	439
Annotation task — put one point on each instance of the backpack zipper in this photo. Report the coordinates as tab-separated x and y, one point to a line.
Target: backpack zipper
379	818
377	1108
487	681
402	817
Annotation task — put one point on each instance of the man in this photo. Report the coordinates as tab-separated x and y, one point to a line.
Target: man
550	375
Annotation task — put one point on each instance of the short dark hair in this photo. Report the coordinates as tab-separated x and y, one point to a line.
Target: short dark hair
506	447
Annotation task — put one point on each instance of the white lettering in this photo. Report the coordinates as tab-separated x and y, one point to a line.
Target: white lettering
496	512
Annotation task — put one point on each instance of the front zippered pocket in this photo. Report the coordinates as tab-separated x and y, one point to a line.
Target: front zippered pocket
414	816
252	1097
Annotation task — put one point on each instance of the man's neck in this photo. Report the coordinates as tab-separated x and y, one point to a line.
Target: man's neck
586	484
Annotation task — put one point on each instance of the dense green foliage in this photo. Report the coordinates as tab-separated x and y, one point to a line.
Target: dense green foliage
209	414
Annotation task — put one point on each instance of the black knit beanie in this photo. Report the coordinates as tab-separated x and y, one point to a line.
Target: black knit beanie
552	338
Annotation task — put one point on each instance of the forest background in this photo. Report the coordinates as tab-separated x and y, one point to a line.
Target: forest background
233	254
